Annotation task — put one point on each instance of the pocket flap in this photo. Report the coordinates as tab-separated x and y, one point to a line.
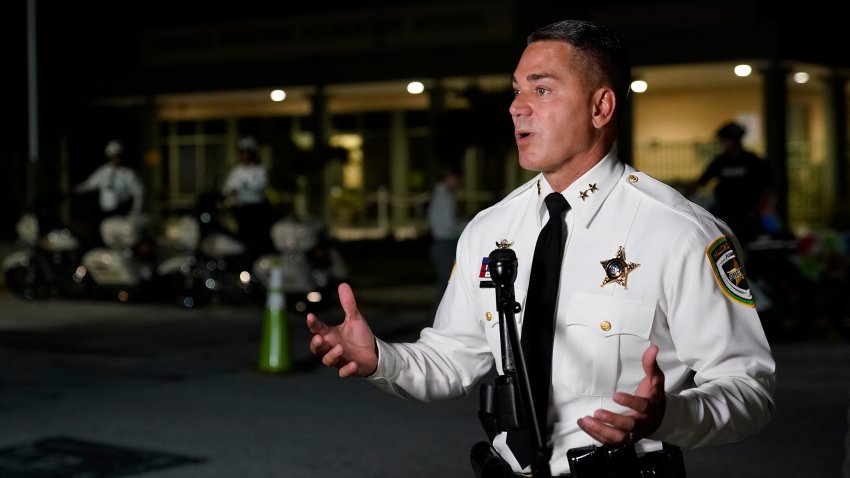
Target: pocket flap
611	315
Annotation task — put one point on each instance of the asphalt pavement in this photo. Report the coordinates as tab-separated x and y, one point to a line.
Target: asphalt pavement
104	389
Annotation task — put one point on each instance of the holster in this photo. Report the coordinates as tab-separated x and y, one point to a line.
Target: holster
500	407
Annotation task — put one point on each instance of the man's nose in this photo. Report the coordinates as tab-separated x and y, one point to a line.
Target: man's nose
519	106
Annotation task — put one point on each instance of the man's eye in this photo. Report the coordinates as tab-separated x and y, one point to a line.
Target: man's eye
516	92
541	91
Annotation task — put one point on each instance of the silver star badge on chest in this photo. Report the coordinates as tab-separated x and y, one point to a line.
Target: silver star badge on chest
617	269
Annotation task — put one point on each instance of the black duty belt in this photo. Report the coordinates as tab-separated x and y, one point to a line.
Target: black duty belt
590	462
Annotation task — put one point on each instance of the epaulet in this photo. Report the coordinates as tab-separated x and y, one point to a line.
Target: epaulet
660	192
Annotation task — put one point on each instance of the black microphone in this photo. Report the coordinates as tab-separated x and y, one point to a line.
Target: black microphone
502	263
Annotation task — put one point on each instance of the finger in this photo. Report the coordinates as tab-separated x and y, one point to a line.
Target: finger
599	431
638	404
650	362
611	419
346	299
318	345
315	325
348	370
331	358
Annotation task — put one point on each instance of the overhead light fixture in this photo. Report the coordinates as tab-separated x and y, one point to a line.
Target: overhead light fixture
278	95
743	70
801	77
415	87
639	86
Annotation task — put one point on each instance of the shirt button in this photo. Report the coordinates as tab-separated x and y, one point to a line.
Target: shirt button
488	316
605	326
632	178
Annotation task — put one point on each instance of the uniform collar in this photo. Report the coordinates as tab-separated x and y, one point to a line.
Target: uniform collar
587	193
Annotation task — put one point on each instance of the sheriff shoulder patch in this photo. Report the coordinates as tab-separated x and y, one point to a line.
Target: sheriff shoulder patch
728	271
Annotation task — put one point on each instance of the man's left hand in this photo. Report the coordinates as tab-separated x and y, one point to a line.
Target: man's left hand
647	406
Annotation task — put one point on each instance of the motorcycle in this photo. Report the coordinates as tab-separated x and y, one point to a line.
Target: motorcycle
209	263
49	264
312	267
123	267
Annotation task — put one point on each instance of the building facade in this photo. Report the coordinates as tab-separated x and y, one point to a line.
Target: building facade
180	84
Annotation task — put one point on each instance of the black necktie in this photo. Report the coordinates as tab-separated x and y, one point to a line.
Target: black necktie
538	325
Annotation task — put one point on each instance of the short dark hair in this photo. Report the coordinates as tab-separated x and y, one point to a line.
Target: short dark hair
732	131
605	55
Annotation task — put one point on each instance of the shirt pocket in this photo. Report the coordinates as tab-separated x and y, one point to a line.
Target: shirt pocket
600	345
488	317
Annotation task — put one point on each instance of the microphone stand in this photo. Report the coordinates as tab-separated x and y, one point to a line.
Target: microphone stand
503	271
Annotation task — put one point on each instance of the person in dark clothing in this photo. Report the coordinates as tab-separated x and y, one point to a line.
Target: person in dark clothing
742	193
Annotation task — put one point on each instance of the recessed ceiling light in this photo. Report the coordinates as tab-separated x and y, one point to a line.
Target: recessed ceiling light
639	86
743	70
415	87
801	77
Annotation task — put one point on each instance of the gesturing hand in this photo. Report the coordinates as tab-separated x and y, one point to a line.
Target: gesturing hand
647	406
349	346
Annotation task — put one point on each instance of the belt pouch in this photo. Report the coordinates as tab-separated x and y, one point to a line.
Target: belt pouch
603	462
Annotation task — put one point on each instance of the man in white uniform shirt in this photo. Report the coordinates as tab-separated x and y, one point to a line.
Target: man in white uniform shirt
245	186
657	342
120	191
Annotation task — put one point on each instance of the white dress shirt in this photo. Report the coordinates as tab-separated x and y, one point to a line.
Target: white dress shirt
115	184
248	182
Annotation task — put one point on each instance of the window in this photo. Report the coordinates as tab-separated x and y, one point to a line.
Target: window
194	156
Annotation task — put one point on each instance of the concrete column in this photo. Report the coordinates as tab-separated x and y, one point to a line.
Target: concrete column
471	188
399	170
321	134
152	173
836	146
436	113
775	125
33	185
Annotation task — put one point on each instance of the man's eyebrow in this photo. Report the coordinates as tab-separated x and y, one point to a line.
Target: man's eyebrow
536	77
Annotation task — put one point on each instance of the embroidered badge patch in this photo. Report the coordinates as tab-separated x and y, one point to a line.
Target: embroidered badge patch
728	271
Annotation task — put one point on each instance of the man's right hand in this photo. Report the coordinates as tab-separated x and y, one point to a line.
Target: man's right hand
349	346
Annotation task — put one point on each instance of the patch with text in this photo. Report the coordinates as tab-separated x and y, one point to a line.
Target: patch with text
729	271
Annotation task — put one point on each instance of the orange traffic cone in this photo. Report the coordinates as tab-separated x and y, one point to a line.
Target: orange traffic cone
274	348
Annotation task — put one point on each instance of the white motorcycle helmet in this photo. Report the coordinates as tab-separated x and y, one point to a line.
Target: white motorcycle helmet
113	148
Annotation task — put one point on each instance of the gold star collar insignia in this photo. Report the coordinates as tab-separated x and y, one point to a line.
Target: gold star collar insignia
591	188
617	269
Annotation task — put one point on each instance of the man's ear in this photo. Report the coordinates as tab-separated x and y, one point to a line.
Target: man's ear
604	103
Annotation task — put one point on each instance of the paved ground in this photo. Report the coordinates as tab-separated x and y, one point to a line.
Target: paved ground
113	390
